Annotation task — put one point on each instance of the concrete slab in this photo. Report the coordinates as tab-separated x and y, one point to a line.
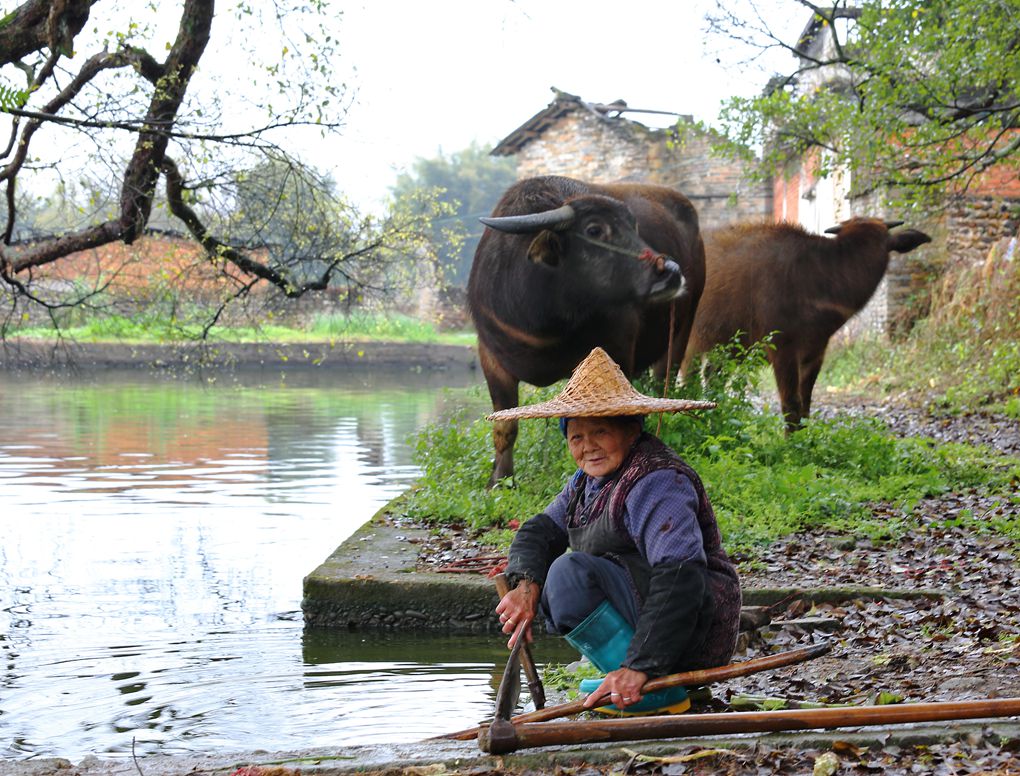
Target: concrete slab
371	580
465	757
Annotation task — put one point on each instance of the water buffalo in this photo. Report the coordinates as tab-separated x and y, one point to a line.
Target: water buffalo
779	279
566	266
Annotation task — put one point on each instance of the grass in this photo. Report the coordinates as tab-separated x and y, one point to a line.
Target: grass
763	484
323	328
566	678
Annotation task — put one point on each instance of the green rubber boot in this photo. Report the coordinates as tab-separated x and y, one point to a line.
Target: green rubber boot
604	637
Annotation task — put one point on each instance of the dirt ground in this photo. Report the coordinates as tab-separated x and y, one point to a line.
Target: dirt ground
963	645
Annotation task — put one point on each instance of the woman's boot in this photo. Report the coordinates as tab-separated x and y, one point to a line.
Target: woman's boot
604	637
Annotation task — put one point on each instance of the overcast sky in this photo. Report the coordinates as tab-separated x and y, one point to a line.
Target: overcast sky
435	76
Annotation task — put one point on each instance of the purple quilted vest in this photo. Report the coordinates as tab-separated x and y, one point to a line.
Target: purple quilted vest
650	454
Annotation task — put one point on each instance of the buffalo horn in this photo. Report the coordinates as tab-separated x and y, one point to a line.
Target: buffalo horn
531	222
892	224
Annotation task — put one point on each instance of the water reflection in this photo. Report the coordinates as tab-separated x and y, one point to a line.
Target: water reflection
439	683
156	532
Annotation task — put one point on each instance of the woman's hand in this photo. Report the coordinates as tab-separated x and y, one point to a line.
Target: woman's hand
621	687
517	610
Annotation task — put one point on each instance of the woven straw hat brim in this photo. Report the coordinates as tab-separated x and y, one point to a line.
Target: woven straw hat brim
598	388
556	408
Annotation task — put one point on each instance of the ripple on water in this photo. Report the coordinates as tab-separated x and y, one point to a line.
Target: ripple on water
155	537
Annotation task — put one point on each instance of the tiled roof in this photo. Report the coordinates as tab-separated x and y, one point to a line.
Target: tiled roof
563	105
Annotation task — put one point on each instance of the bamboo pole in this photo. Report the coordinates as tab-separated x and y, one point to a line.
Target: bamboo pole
686	679
534	734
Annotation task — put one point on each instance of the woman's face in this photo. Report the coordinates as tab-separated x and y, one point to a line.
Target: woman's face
599	445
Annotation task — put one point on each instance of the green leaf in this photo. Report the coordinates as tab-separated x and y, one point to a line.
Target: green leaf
885	698
11	98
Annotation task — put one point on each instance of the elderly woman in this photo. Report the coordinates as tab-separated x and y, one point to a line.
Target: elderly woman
647	588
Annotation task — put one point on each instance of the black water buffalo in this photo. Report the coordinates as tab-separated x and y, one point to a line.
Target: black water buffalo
566	266
800	287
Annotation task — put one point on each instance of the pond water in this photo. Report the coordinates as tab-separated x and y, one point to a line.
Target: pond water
155	535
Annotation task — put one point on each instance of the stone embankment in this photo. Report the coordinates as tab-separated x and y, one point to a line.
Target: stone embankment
373	580
35	354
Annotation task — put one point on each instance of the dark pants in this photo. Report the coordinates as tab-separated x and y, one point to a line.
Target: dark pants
577	583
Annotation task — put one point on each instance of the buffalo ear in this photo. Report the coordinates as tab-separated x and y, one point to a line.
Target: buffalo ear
907	240
546	248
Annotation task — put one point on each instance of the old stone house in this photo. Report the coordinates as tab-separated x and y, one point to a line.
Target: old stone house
597	142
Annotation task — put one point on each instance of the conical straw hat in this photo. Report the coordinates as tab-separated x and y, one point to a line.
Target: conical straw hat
598	388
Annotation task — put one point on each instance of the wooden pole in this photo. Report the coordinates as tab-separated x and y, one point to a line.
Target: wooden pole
686	679
527	661
681	725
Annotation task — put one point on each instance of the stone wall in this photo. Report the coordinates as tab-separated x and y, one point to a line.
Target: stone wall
719	188
975	224
963	233
602	149
583	145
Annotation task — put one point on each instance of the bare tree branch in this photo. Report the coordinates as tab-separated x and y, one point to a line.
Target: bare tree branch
143	169
147	125
39	24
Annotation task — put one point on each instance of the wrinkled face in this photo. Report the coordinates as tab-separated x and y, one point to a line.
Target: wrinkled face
599	445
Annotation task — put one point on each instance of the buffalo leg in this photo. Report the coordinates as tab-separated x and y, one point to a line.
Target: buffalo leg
681	338
504	392
809	370
504	435
784	366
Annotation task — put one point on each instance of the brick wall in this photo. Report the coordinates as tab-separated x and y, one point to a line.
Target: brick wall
786	198
582	145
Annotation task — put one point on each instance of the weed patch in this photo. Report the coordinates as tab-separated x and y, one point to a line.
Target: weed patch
763	484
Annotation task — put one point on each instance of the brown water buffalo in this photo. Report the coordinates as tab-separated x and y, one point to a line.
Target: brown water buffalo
566	266
800	287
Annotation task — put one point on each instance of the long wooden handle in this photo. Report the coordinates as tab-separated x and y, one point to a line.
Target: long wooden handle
686	679
527	661
684	725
